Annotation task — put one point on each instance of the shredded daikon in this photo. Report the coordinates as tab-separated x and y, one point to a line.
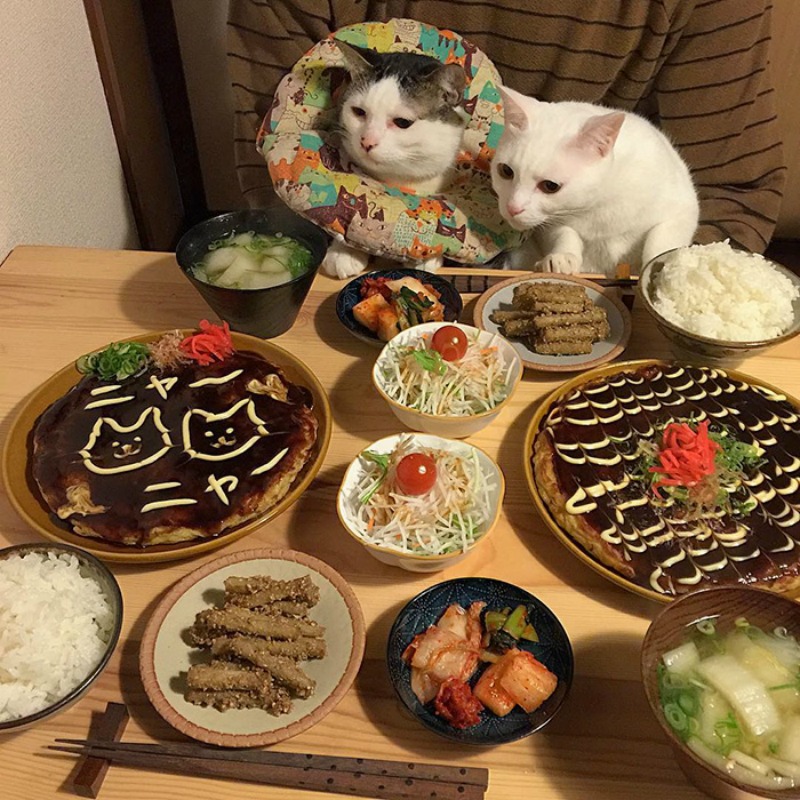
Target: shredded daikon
416	377
449	518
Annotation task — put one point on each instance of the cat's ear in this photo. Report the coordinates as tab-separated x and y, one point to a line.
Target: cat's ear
599	133
514	113
453	81
358	60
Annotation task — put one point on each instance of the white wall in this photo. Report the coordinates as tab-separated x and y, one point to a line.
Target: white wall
61	182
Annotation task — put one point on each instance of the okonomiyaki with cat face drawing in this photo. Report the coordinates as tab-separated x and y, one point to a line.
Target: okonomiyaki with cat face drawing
676	477
180	439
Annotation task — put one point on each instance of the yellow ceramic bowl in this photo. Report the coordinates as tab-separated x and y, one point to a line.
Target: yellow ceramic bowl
347	504
450	426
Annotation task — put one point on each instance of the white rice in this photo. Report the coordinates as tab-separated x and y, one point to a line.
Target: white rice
721	293
55	623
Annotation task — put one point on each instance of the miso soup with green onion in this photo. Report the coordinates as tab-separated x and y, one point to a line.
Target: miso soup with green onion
733	696
253	261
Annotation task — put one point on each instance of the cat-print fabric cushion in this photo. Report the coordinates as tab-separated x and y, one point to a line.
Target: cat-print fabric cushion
314	179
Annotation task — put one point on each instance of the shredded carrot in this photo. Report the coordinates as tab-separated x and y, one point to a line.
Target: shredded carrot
212	343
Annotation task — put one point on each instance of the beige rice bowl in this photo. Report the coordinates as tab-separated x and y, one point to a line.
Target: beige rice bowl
55	626
718	292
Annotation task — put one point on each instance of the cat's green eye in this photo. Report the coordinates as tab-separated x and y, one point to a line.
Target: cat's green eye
505	172
548	187
402	122
359	112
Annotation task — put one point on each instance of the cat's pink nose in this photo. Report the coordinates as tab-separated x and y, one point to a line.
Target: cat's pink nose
514	210
368	143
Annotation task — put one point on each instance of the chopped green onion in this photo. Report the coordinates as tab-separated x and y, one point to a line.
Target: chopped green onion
706	627
382	460
676	718
116	362
728	732
689	703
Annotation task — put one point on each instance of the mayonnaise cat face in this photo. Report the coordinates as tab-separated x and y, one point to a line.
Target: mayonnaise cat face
176	452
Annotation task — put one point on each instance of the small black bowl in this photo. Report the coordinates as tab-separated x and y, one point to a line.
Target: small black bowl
350	296
264	312
553	650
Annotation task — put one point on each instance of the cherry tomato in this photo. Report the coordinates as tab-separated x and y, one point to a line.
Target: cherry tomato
450	342
416	474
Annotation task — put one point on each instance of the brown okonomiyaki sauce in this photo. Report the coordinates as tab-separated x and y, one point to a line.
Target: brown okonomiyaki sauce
596	431
154	452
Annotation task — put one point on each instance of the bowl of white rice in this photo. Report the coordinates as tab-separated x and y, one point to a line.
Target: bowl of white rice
60	620
720	304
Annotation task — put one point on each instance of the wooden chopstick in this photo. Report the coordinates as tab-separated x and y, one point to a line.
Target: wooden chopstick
482	282
400	769
370	777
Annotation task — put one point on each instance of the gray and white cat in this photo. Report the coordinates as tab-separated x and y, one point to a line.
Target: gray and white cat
596	187
400	123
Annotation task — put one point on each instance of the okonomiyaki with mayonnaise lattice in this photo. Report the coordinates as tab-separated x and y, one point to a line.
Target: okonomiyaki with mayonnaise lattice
676	477
182	438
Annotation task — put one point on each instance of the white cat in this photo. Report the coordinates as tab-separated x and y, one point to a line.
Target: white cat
597	187
399	122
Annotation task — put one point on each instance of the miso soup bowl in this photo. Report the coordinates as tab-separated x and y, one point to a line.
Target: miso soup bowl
765	609
266	312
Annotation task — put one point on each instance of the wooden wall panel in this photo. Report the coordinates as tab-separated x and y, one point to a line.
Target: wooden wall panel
786	73
134	103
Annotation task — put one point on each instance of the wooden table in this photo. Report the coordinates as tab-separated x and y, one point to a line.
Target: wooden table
59	303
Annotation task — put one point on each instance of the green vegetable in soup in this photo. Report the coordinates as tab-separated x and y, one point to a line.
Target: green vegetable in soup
253	261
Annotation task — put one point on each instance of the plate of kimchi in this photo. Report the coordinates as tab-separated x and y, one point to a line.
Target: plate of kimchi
480	661
376	306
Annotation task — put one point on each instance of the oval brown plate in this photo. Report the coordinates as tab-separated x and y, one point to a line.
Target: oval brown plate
533	429
619	319
26	499
165	657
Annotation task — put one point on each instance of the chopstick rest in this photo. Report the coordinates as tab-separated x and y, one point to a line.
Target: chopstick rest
92	770
355	776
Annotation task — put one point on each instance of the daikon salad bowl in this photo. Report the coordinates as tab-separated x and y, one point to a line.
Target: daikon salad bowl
720	607
348	501
452	426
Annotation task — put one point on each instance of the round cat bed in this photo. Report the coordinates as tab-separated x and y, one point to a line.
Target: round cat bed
310	175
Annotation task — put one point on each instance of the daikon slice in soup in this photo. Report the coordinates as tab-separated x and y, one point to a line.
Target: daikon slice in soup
253	261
